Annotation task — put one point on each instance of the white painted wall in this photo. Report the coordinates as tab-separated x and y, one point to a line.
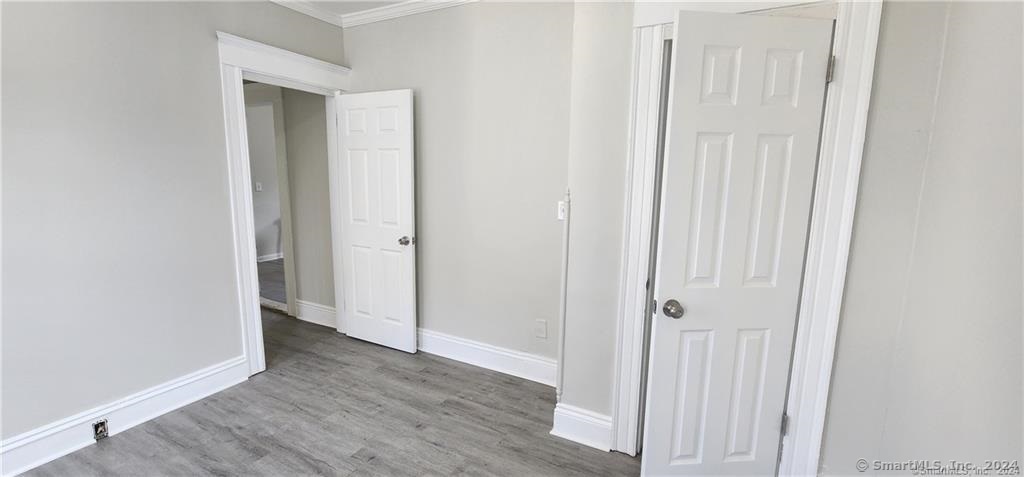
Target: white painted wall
117	248
266	204
929	360
491	83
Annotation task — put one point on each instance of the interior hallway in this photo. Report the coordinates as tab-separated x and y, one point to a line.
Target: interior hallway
332	405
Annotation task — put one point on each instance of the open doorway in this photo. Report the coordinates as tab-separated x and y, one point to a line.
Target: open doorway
288	159
357	209
270	185
288	156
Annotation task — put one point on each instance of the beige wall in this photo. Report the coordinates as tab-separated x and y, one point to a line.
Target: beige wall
929	356
491	83
305	125
117	248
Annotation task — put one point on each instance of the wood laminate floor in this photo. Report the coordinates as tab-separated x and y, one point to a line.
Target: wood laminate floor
332	405
271	273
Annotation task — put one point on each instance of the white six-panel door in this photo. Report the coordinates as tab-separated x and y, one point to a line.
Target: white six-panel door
374	195
746	100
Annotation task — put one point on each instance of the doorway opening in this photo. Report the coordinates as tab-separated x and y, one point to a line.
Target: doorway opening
344	216
288	158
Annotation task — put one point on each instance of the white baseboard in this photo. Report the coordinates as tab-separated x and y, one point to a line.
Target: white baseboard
524	365
39	446
274	305
582	426
317	314
270	256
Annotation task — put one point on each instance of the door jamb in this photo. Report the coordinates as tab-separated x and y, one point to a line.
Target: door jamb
835	197
246	59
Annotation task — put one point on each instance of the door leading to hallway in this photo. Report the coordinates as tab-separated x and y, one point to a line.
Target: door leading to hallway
746	98
373	209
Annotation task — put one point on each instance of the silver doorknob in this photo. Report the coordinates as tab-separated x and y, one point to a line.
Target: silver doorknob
404	240
673	309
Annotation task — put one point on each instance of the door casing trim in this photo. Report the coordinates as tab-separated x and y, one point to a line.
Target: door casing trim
835	198
240	59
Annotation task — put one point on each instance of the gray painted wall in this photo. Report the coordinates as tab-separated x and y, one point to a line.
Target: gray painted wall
117	229
598	147
305	125
491	84
929	358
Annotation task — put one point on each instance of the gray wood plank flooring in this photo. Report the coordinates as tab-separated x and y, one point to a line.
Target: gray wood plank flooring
271	275
332	405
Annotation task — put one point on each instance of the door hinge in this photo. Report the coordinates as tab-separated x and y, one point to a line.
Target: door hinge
784	427
831	69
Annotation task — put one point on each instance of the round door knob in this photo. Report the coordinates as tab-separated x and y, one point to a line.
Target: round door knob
404	240
673	309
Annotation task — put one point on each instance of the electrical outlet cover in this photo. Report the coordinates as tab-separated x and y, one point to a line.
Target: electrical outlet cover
99	429
540	329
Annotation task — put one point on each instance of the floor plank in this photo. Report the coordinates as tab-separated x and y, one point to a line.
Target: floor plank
271	274
332	405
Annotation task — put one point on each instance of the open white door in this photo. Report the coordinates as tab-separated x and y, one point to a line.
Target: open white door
374	193
746	100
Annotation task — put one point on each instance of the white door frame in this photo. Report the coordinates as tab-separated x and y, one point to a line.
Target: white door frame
246	59
835	197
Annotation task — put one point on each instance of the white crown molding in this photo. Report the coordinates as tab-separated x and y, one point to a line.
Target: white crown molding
309	8
387	12
373	15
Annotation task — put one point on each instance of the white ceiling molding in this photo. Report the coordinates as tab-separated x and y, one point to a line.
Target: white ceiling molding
309	8
387	12
372	15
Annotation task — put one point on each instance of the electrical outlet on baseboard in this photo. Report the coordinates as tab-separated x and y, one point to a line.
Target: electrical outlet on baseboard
540	329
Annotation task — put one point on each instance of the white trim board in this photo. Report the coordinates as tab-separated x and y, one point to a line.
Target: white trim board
516	363
44	444
835	197
279	67
270	256
828	247
503	360
372	15
582	426
638	236
246	59
317	314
